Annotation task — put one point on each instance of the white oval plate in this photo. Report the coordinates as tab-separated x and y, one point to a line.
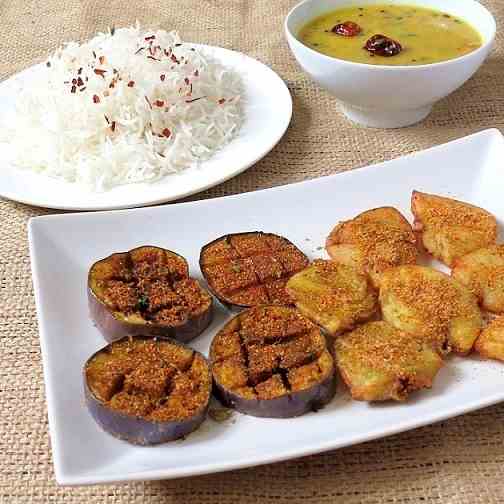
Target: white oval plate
84	454
268	110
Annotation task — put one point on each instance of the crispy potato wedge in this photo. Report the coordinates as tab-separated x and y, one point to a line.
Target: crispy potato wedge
431	304
373	242
490	343
333	295
482	271
379	362
450	229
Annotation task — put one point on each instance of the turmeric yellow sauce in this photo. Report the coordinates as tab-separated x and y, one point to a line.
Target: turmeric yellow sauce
425	35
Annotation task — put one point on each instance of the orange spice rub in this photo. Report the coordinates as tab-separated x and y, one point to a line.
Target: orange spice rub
149	284
249	269
153	379
268	352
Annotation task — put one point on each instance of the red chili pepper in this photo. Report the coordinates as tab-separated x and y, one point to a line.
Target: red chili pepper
159	103
166	132
222	101
80	82
96	99
162	77
347	29
99	71
131	83
383	46
73	89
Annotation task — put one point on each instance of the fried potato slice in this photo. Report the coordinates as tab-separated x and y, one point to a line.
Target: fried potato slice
490	343
333	295
482	271
449	228
373	241
431	304
379	362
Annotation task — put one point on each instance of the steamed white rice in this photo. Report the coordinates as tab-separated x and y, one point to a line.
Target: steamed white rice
127	106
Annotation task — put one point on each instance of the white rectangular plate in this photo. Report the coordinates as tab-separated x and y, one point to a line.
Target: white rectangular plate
64	246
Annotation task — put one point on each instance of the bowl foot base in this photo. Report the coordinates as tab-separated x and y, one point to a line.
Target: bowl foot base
372	118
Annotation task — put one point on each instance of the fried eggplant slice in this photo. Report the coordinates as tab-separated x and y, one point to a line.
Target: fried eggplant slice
147	291
147	390
270	361
379	362
482	272
450	229
250	269
490	343
373	241
430	304
333	295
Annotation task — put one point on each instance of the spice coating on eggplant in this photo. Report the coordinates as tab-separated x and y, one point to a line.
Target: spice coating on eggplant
250	269
147	390
147	291
270	361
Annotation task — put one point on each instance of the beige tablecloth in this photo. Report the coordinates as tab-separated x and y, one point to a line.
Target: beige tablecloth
457	461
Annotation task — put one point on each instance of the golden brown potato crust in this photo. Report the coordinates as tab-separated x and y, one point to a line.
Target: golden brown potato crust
490	344
482	271
431	304
449	229
379	362
373	241
333	295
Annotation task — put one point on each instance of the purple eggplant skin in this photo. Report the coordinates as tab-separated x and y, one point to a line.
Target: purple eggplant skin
137	430
113	328
288	406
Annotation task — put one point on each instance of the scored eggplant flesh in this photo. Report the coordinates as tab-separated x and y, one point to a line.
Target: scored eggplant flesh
147	390
147	291
250	269
270	361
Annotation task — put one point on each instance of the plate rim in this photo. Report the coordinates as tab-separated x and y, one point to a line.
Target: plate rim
486	132
210	468
157	201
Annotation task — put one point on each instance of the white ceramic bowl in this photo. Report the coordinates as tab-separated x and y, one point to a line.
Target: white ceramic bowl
389	96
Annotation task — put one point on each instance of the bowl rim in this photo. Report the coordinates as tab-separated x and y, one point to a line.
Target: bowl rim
483	48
